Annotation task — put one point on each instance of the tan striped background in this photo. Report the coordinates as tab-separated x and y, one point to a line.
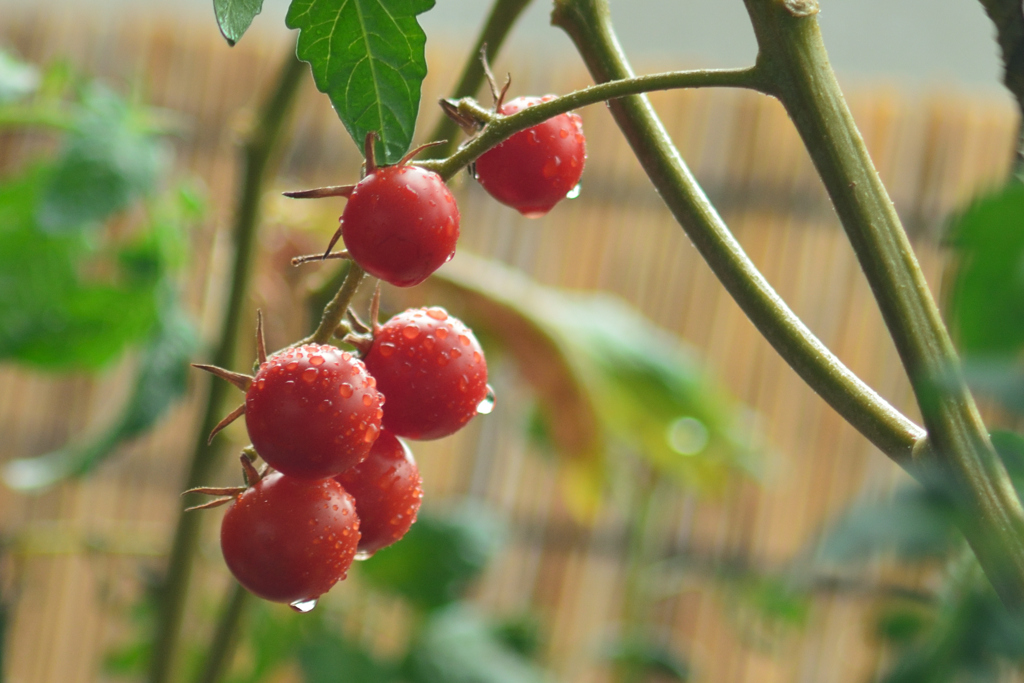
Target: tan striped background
77	553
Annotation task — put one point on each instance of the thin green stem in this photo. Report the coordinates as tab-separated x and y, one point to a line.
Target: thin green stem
499	128
334	311
225	638
588	23
500	21
258	152
961	458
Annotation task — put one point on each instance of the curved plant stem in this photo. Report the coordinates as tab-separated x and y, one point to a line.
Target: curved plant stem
499	128
792	53
258	153
587	22
334	311
500	21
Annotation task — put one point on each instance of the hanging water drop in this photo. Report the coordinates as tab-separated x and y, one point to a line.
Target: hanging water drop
487	405
363	555
574	192
304	606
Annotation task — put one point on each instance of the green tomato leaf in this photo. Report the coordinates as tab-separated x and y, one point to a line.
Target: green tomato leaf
986	299
604	375
235	16
17	79
439	556
105	164
368	57
159	383
324	655
916	524
456	645
649	660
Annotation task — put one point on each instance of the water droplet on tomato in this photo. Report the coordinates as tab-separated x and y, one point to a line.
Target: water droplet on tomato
291	366
304	606
309	375
316	360
574	192
345	390
371	434
550	167
442	332
363	555
387	349
410	331
367	400
487	405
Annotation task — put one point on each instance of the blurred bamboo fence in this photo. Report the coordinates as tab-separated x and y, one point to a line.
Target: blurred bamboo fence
79	552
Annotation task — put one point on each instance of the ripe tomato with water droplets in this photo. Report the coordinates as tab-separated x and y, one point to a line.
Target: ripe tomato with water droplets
289	540
387	489
433	371
401	224
313	411
536	168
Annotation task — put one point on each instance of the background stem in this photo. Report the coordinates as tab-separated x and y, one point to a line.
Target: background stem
257	154
225	638
589	25
961	460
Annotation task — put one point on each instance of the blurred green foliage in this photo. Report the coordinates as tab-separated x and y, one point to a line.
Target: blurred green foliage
92	241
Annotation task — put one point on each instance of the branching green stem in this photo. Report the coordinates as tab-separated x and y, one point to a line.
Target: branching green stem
499	128
588	23
500	21
258	152
961	457
334	311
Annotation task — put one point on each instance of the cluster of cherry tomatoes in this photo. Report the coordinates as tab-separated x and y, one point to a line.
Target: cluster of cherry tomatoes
339	484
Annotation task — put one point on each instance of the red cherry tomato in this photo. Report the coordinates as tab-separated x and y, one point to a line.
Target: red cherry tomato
289	540
401	224
313	411
433	371
387	489
536	168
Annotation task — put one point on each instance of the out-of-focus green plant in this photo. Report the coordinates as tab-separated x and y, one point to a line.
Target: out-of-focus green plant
92	241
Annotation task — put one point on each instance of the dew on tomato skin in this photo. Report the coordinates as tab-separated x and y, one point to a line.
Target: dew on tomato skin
463	384
362	555
345	390
367	400
428	343
261	382
464	340
386	349
304	606
477	358
487	405
442	332
563	133
292	366
309	375
574	192
371	434
410	331
455	353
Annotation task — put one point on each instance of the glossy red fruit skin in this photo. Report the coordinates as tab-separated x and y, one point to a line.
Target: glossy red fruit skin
289	540
536	168
313	411
433	371
401	224
387	489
